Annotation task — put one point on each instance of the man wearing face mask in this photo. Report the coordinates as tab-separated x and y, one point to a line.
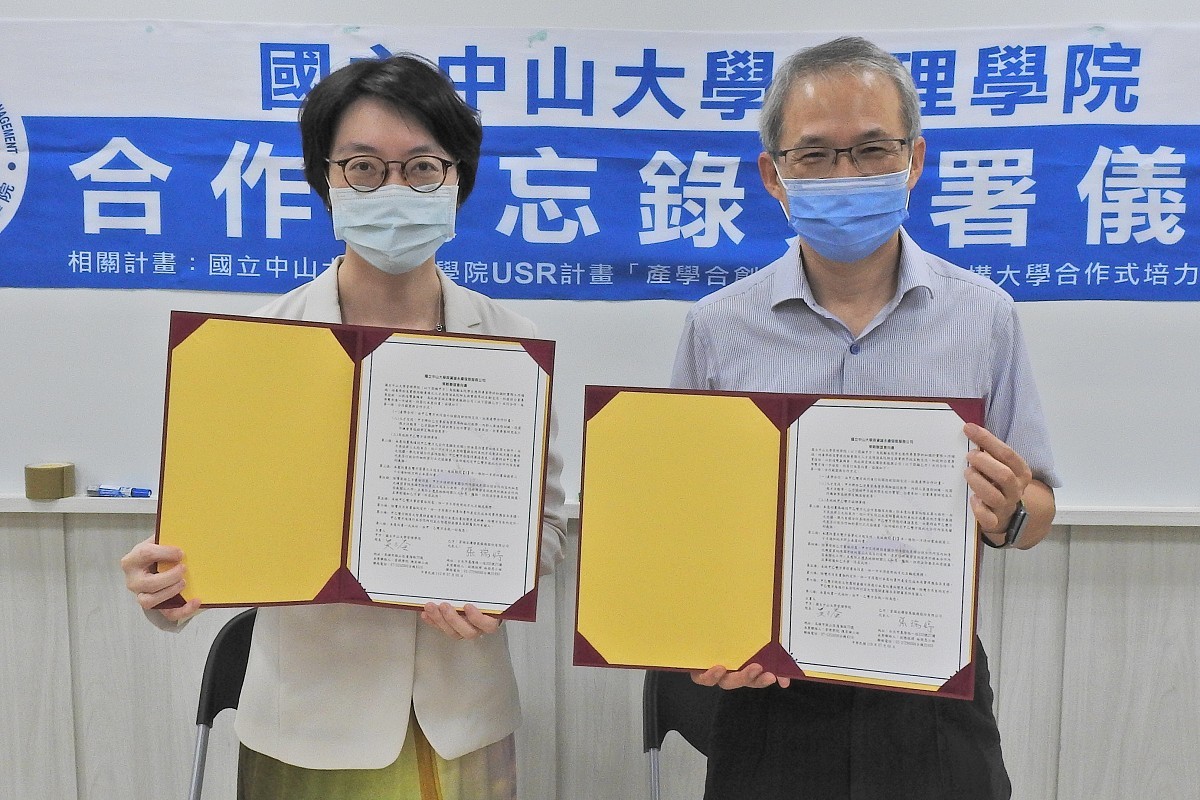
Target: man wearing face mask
855	307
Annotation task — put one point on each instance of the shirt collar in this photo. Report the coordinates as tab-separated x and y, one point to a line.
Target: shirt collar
791	283
324	302
461	313
321	301
914	268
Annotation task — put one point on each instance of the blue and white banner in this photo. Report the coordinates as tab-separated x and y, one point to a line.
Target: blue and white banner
617	165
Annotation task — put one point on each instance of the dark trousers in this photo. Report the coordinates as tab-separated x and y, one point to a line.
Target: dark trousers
816	741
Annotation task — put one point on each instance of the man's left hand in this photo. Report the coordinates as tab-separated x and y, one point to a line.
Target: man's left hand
998	477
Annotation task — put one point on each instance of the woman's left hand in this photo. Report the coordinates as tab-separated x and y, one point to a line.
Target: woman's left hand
470	623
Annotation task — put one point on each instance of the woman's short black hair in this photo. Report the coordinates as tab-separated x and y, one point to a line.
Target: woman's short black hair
411	85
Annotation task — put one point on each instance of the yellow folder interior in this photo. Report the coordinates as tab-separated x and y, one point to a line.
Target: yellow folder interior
677	549
255	457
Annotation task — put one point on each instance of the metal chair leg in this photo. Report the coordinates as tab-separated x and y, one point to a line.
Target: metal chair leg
198	762
654	788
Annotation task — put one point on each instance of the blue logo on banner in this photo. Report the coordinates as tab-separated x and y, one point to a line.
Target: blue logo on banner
14	163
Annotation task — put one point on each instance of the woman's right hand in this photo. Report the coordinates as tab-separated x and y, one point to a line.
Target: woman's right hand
150	587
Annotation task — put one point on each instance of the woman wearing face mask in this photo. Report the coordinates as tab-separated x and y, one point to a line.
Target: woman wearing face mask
353	701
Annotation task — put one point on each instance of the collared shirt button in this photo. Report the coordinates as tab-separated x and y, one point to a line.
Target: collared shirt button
855	348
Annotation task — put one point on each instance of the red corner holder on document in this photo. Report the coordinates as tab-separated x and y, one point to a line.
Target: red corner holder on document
825	538
324	463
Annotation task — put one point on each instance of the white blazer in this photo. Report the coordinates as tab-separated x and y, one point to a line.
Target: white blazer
330	686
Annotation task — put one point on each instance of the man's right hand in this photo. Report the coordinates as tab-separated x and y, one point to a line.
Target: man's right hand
752	675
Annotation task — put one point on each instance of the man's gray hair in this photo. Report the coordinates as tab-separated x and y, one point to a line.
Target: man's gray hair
848	54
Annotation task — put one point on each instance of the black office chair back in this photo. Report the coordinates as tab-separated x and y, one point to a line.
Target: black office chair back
221	686
225	669
671	701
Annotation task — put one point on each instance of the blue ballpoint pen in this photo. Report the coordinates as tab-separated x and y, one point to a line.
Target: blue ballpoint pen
117	491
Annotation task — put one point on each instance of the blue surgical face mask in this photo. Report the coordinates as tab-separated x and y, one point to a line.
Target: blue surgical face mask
394	228
847	219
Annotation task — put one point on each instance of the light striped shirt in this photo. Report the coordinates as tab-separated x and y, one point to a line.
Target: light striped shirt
947	332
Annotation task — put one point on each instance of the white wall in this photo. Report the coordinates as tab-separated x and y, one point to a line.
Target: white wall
627	14
83	374
1091	636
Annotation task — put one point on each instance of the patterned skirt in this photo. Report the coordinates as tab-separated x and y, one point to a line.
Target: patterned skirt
418	773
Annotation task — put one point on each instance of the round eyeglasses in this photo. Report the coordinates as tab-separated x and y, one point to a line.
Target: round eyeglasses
420	173
877	157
